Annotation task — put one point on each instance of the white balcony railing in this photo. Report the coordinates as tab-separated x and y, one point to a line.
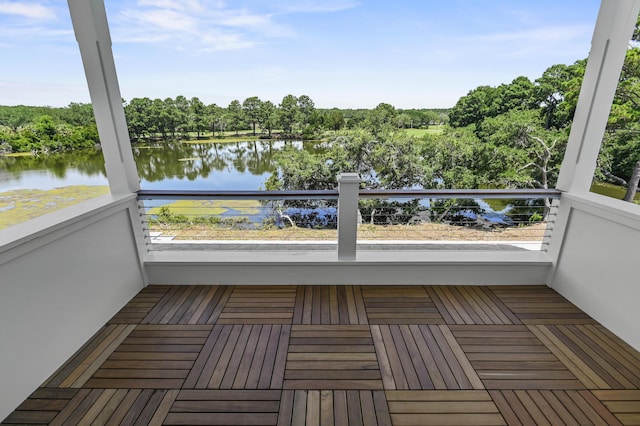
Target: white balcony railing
350	219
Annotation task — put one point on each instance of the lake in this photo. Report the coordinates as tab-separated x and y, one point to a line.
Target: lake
202	166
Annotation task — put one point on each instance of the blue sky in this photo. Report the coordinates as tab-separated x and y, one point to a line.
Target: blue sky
341	53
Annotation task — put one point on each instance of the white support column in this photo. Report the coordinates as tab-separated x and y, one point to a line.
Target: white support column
348	189
92	33
612	33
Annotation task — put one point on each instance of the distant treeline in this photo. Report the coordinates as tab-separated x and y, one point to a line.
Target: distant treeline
49	129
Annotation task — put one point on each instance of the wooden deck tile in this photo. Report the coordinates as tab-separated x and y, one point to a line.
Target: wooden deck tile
470	305
552	407
259	305
311	366
422	357
624	404
86	361
334	407
596	356
329	305
400	305
241	357
140	306
540	305
443	408
152	356
511	357
216	407
42	406
189	305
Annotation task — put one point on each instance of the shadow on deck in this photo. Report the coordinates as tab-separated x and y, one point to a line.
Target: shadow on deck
325	355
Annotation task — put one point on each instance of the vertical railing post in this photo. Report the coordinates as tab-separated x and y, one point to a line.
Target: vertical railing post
348	194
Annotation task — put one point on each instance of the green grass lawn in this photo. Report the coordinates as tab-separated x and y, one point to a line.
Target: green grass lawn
432	130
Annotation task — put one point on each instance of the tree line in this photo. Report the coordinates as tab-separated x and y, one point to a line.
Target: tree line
46	129
294	117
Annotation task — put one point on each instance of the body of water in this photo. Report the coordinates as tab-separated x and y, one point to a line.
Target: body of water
202	166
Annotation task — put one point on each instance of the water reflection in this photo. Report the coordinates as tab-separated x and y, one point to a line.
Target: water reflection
238	165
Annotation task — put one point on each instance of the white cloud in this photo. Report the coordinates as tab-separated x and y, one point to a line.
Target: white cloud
208	25
27	10
193	24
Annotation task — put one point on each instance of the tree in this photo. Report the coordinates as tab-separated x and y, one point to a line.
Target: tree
182	110
551	90
307	116
215	119
477	105
251	107
267	115
381	118
138	113
235	116
197	116
288	114
334	119
633	183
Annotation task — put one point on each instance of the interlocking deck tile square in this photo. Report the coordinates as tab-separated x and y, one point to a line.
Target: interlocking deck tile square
241	357
471	305
189	305
329	305
228	407
422	357
597	357
259	305
152	356
540	305
334	407
624	404
552	407
443	408
512	357
331	357
406	305
140	306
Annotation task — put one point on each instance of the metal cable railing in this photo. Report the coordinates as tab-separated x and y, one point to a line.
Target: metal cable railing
470	216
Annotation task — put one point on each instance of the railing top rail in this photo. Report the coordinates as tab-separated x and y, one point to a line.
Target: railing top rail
155	194
460	193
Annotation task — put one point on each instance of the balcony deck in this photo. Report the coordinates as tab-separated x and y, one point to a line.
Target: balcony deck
325	355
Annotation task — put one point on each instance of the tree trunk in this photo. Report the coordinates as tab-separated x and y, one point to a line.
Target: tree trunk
633	183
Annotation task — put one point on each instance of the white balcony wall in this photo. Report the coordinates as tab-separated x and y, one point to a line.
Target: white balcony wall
597	268
62	276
